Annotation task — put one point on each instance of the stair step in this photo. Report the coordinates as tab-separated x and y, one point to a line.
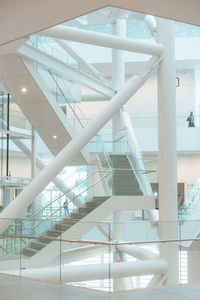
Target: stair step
62	227
99	200
78	216
53	233
37	245
29	251
90	204
44	239
118	156
68	222
86	210
124	181
128	194
101	197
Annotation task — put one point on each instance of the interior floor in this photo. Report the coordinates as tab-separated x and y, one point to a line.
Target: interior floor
22	289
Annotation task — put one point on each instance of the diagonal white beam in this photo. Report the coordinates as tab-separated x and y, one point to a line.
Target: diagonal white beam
102	39
137	252
77	254
157	280
97	271
84	64
27	196
93	97
64	70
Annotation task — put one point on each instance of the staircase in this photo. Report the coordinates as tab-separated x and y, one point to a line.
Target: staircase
124	180
62	226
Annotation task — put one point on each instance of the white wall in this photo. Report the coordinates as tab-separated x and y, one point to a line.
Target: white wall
188	168
185	93
20	166
143	105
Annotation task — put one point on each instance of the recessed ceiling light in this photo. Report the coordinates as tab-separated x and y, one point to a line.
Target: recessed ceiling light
55	137
24	90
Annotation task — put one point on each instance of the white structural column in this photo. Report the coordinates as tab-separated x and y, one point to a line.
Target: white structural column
118	79
167	166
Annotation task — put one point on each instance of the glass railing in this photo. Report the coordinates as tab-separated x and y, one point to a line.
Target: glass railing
150	120
83	186
72	109
190	208
122	144
86	256
10	187
46	212
16	119
48	46
59	86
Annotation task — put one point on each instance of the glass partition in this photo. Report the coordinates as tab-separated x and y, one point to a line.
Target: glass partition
88	255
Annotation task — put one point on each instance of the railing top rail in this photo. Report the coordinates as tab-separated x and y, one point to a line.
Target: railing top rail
59	208
108	243
42	208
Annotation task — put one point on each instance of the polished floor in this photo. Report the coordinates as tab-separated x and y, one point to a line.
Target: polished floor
14	288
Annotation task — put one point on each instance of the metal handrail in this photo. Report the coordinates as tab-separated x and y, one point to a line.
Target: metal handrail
72	97
66	178
109	243
48	204
43	220
58	86
42	208
60	89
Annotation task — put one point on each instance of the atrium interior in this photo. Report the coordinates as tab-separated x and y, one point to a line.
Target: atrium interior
100	153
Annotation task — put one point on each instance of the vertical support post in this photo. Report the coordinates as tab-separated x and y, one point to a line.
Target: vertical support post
118	74
167	165
33	156
118	79
7	136
2	140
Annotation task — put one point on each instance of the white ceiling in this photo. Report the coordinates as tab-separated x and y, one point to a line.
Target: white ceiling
24	17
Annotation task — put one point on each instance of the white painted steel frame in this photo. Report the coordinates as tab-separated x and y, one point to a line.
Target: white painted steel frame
84	64
102	39
97	271
36	186
167	157
33	54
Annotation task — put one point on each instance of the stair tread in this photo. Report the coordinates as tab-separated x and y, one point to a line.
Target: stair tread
30	249
38	243
64	224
